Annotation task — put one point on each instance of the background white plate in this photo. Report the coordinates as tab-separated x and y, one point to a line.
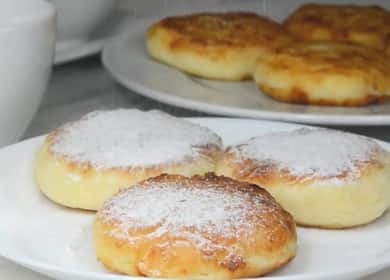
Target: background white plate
66	52
125	58
76	48
56	241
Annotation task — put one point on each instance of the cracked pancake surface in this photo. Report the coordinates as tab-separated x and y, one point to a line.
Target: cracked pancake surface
364	25
325	73
203	227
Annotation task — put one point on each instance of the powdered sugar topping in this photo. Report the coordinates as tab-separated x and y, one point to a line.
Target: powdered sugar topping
131	138
199	213
312	153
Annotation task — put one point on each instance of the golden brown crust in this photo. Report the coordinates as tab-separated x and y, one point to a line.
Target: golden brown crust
177	254
327	57
299	96
233	29
210	152
363	25
82	185
212	182
269	175
215	45
110	264
306	73
318	199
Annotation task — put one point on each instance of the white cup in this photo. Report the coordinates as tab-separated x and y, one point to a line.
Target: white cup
27	41
77	19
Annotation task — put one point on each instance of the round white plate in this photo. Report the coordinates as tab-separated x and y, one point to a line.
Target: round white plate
56	241
69	51
9	270
125	58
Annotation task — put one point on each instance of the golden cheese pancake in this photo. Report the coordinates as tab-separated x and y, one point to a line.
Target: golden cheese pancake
203	227
324	178
364	25
325	73
82	164
215	45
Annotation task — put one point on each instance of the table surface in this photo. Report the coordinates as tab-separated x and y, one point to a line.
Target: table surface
82	86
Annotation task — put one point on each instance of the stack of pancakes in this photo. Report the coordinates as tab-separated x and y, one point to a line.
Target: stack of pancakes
334	55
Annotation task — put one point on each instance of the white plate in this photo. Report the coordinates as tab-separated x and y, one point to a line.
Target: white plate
56	241
9	270
69	51
125	58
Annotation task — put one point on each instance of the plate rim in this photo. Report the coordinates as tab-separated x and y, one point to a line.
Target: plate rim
45	268
222	110
77	50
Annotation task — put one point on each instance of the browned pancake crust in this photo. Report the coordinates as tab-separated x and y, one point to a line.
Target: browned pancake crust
234	29
210	152
266	174
81	184
275	229
221	46
113	268
318	201
299	96
364	25
307	63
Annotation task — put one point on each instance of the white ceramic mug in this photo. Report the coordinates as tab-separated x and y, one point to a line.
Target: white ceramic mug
27	41
78	18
